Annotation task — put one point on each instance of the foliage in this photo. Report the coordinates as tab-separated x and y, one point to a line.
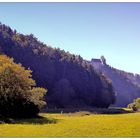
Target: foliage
126	85
103	60
135	105
64	91
51	66
18	98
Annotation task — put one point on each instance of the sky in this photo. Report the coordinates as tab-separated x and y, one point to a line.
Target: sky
88	29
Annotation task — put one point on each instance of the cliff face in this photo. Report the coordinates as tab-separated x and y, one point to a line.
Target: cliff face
126	85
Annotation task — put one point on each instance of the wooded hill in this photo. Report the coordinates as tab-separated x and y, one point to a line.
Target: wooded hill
125	84
70	80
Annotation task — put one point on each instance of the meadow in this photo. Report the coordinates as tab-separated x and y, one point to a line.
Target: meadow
81	124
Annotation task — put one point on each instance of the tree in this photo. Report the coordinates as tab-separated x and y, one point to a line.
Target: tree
18	95
103	60
135	105
64	91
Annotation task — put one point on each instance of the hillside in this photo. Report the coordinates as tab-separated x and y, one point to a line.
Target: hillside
70	80
126	85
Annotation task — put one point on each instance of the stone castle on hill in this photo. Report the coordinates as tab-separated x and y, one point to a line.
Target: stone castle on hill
97	63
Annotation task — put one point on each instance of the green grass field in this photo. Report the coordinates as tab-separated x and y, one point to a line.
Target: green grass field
75	125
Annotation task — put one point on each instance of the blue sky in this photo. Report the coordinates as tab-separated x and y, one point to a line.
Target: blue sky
88	29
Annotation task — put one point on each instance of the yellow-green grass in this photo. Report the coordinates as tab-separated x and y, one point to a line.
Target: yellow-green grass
67	125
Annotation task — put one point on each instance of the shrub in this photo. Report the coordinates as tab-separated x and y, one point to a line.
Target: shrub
135	105
18	95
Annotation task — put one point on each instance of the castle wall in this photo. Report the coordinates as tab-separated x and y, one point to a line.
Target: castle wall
96	65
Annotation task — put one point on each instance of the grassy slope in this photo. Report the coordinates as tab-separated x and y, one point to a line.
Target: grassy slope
122	125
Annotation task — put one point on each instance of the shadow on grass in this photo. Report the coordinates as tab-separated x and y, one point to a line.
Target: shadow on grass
34	121
88	111
114	111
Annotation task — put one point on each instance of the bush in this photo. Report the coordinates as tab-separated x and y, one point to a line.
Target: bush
135	105
18	96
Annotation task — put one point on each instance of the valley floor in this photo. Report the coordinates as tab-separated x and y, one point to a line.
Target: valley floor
75	125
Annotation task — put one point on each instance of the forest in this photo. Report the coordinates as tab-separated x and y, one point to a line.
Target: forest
70	80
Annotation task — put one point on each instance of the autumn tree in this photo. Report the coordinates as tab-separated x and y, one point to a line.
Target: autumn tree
135	105
18	95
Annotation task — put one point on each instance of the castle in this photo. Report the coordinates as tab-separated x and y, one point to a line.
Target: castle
97	63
